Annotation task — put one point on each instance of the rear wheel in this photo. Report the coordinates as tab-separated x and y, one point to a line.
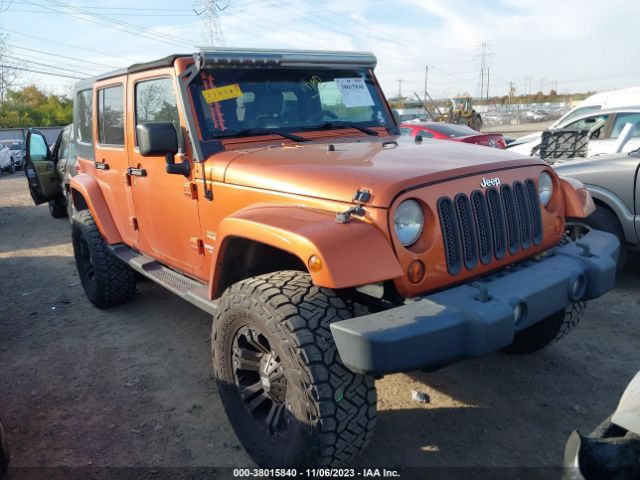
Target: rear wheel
547	331
288	396
4	451
106	280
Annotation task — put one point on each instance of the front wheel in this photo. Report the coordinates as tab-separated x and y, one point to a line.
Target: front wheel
547	331
57	209
288	396
12	167
607	221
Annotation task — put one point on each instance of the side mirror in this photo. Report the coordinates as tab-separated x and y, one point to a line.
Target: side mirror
157	138
161	138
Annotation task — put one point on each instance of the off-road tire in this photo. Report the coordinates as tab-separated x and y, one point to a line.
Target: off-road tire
330	411
547	331
4	451
107	281
604	219
57	209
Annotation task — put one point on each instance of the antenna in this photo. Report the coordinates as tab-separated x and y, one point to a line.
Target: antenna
208	10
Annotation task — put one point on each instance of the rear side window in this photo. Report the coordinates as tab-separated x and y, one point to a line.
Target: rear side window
156	102
111	116
84	115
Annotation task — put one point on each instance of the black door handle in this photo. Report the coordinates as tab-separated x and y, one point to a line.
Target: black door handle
102	166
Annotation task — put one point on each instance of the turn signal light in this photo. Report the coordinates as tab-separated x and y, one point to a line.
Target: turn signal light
415	272
314	263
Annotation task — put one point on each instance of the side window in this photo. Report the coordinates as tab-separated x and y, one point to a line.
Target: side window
63	147
425	134
111	116
622	119
156	102
588	123
84	114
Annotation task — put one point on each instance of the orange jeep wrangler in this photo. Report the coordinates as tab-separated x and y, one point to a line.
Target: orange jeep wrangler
271	189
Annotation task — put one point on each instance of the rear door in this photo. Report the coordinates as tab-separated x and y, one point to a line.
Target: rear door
40	169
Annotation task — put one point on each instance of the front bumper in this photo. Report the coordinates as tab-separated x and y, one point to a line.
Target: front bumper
474	319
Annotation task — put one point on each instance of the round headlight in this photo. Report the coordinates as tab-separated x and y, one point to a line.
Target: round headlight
545	188
408	221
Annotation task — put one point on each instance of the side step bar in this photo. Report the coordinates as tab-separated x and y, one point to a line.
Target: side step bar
191	290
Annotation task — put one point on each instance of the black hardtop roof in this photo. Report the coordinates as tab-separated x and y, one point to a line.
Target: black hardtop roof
240	55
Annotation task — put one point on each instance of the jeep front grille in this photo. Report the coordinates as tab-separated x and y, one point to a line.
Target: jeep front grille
484	226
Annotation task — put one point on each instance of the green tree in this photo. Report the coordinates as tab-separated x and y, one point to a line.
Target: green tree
31	107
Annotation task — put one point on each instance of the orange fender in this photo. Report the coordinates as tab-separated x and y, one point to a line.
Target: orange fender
578	202
87	187
352	254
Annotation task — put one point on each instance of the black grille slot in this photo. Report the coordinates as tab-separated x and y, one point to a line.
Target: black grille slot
497	222
483	226
509	207
534	211
467	231
450	234
524	216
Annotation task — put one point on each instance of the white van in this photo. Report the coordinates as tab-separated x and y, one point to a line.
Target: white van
615	98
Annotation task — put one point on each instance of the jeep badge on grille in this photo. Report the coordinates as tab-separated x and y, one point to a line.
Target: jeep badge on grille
490	182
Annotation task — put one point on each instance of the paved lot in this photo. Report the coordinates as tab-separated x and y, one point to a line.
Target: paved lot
131	386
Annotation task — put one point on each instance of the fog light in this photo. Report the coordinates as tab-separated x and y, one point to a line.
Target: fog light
415	272
578	287
314	263
518	312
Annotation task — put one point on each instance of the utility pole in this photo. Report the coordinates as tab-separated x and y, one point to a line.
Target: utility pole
484	67
541	85
426	76
527	84
512	91
400	89
208	10
487	84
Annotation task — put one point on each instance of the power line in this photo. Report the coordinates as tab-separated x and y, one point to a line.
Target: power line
81	60
13	67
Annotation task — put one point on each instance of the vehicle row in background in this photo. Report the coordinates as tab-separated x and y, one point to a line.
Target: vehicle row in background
11	152
592	105
449	131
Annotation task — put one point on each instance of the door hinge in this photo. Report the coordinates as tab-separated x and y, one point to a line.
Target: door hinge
138	172
133	221
198	245
190	190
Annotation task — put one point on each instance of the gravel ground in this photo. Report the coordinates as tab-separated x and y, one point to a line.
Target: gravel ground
132	386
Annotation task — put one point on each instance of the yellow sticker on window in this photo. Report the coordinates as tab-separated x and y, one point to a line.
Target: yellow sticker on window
218	94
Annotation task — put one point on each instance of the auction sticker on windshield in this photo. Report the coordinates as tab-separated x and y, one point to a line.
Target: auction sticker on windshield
354	92
218	94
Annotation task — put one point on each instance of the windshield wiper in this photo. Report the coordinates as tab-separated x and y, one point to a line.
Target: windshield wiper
343	124
266	131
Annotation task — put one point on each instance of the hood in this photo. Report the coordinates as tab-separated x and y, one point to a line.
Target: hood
337	171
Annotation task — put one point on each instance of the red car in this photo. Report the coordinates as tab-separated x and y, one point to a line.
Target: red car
450	131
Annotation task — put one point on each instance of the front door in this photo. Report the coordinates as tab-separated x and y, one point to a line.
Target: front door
40	169
166	204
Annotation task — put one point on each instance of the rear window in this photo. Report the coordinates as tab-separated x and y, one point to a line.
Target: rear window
451	130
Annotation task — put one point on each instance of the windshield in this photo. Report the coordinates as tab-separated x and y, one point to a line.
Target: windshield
236	101
13	145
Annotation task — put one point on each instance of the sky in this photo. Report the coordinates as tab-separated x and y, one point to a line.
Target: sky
568	45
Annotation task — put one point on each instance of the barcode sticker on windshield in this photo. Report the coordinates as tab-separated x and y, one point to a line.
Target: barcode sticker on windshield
218	94
354	92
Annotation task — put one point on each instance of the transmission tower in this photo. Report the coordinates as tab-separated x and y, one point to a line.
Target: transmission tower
208	10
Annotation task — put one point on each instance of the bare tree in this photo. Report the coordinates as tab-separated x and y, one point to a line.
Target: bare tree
8	76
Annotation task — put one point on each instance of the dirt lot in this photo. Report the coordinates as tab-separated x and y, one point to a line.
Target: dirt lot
132	386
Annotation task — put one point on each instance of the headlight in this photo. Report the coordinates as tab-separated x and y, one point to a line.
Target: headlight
545	188
408	221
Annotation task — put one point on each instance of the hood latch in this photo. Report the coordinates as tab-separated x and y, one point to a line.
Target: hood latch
361	196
